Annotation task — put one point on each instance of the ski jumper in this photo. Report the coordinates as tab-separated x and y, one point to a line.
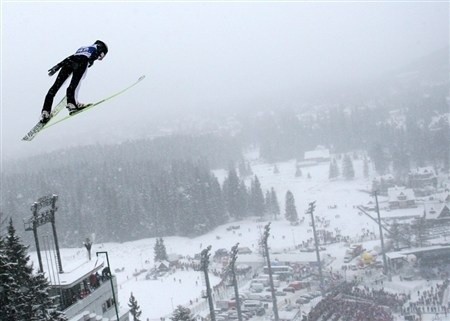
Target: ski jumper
76	65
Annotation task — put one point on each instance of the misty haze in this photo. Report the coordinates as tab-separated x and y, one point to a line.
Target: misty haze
295	154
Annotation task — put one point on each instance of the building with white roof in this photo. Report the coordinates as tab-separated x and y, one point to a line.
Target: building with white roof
401	197
320	154
84	290
422	177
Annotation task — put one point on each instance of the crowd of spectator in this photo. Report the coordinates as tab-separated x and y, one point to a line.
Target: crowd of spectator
380	297
336	308
350	302
432	300
85	288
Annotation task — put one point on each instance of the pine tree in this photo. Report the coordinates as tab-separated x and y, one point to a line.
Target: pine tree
256	198
401	234
395	234
163	251
418	229
24	296
331	173
215	202
233	195
347	168
4	277
44	306
3	224
156	250
400	158
249	168
379	158
19	274
267	208
334	170
182	314
366	167
160	253
243	199
135	309
298	171
290	209
274	205
275	169
244	168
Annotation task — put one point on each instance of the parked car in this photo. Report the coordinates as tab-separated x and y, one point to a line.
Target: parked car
252	304
241	296
249	313
307	295
234	316
223	316
257	287
280	293
302	300
298	285
289	289
267	298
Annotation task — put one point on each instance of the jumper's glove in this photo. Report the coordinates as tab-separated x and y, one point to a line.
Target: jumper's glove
54	69
58	66
90	63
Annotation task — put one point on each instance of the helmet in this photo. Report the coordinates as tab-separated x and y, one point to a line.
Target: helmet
101	46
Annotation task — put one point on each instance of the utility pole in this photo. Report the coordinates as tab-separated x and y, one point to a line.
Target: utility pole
385	266
312	207
234	252
269	267
204	266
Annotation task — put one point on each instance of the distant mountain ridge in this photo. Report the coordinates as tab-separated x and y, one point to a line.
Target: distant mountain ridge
433	67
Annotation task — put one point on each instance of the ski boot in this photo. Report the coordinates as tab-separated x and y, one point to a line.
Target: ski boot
75	109
45	117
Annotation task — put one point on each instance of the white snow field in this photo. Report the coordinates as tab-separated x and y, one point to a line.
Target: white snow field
157	298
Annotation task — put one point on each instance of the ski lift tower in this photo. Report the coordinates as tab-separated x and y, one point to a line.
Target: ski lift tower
310	211
204	267
232	270
269	267
44	210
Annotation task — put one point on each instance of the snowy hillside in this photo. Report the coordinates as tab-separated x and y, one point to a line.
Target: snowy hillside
335	200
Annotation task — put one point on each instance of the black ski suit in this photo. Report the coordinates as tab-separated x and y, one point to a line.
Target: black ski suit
76	65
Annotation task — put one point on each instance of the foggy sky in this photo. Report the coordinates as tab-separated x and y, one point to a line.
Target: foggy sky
199	58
